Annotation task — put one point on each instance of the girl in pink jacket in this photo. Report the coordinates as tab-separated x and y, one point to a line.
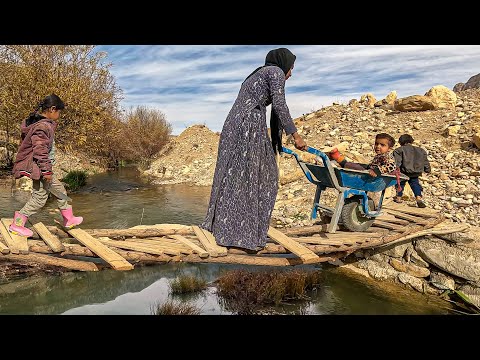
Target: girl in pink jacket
34	159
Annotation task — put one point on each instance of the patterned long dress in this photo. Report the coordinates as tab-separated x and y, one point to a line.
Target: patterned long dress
245	183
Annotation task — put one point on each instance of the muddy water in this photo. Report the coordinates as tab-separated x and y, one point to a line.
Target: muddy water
120	199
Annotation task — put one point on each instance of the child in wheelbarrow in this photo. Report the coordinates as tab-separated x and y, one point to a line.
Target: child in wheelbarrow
382	163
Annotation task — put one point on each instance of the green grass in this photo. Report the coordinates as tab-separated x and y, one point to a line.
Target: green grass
175	308
75	179
187	284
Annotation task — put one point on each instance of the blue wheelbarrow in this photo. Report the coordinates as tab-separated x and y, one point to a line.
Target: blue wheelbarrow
353	209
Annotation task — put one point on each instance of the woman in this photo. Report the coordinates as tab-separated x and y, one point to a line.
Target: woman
246	176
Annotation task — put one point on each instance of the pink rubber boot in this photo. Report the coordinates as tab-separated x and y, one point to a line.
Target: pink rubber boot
17	227
69	221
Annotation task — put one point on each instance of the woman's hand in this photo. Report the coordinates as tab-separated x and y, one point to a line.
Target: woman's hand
372	173
299	143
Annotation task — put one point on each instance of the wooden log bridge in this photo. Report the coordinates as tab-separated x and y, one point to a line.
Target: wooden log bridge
122	249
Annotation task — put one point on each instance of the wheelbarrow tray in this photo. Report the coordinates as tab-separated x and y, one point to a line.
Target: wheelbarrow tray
353	179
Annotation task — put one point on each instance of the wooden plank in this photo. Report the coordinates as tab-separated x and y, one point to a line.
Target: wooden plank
414	219
51	240
388	225
53	261
392	219
131	245
425	212
110	256
221	250
320	241
196	249
205	242
301	251
16	243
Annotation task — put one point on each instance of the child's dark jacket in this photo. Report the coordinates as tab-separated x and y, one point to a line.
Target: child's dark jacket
412	160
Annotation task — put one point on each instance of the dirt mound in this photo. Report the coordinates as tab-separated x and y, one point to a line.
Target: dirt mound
187	158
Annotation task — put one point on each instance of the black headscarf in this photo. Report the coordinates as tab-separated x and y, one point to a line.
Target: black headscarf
284	59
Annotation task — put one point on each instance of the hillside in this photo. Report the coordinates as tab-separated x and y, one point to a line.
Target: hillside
448	135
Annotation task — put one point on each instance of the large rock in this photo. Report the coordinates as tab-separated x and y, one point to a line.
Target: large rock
368	100
444	98
458	87
389	100
391	97
414	282
414	270
378	270
415	103
450	258
472	83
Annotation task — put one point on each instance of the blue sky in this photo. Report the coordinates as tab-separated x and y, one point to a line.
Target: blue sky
198	84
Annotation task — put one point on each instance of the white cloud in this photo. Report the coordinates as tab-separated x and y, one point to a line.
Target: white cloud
198	84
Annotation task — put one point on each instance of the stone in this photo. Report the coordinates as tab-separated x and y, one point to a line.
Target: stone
414	282
450	258
411	269
414	103
443	98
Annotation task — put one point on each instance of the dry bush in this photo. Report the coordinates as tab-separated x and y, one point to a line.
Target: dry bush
248	292
184	284
76	73
171	307
143	135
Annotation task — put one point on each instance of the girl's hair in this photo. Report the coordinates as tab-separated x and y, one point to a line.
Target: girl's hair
48	102
405	139
391	140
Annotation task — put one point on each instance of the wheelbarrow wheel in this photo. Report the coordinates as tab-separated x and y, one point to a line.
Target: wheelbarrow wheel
352	216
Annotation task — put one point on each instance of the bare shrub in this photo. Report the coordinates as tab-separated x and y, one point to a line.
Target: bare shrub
143	135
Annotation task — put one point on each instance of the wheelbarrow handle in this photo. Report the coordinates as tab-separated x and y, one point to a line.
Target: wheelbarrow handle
311	150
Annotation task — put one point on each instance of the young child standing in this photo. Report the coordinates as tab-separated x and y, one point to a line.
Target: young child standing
412	161
34	159
382	163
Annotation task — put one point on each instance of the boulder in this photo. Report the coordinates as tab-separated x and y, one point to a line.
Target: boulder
443	97
461	262
472	83
415	103
413	270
